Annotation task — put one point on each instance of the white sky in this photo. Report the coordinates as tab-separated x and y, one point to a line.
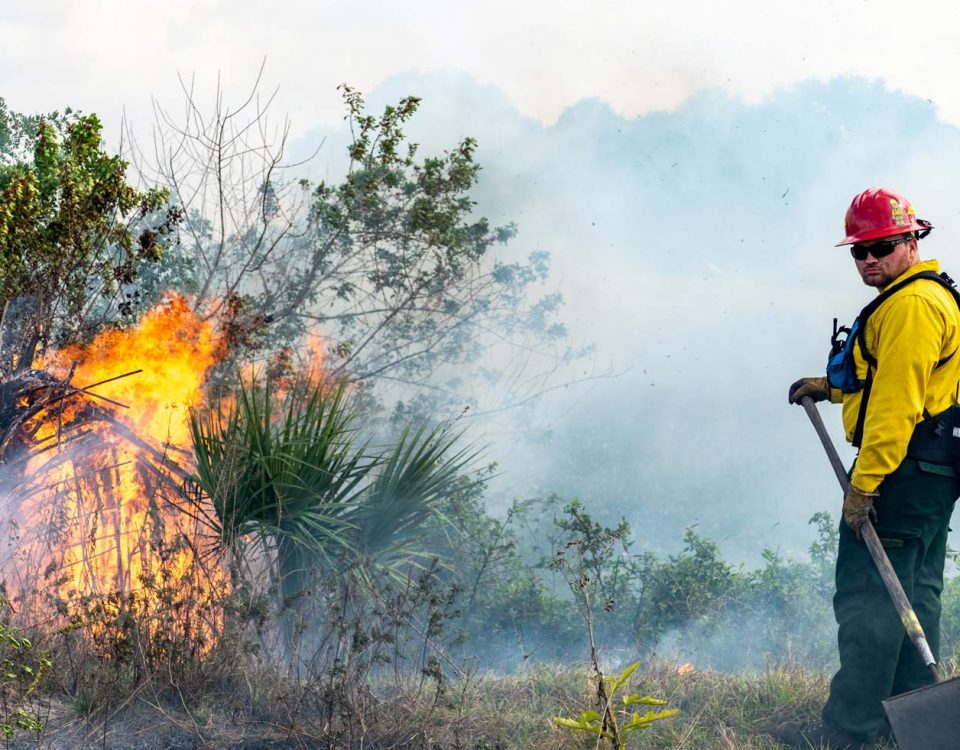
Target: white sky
109	56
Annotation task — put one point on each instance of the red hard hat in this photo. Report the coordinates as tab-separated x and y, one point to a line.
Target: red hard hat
878	212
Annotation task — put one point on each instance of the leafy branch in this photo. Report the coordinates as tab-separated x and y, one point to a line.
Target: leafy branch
605	725
592	546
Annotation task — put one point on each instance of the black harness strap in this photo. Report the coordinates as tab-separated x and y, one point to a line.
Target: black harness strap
862	413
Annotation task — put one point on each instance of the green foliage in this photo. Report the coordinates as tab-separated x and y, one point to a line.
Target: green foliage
290	475
389	260
289	469
411	480
617	725
400	230
22	669
505	601
693	604
73	233
781	610
685	587
590	546
823	550
17	131
950	620
604	562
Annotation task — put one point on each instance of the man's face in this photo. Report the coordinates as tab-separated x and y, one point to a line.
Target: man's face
879	272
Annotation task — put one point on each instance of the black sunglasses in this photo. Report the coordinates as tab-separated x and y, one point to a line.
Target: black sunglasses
877	250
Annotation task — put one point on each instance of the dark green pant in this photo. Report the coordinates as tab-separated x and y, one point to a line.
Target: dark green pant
877	659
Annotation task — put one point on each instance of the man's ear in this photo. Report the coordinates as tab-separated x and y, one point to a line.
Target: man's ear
914	248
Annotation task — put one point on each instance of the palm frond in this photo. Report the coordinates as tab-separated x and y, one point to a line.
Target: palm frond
411	479
290	469
293	471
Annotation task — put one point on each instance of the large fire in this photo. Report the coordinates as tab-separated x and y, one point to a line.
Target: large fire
97	508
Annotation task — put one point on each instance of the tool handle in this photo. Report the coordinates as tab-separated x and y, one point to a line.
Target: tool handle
907	616
835	461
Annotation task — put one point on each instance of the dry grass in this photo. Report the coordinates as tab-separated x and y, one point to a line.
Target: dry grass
717	712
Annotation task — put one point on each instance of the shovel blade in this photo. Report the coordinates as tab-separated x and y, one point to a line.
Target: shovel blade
927	718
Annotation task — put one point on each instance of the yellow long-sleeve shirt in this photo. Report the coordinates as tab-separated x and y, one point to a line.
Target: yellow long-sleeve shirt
908	335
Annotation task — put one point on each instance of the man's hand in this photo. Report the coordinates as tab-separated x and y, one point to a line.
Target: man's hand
858	507
816	388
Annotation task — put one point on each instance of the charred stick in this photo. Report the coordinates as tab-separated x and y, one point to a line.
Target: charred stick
110	380
74	390
82	475
59	390
73	367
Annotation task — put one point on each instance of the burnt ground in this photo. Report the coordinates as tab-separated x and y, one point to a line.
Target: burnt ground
149	728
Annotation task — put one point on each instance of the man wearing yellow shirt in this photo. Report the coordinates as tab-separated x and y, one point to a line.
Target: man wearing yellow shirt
902	373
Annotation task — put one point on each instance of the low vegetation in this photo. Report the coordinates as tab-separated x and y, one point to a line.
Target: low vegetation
408	661
717	711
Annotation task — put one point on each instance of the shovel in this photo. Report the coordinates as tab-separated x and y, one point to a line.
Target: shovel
923	719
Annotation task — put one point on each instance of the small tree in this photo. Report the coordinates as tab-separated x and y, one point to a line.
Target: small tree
389	264
585	562
73	234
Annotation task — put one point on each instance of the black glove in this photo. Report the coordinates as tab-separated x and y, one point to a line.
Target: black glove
816	388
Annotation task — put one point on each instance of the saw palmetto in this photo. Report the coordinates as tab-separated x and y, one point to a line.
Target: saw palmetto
291	471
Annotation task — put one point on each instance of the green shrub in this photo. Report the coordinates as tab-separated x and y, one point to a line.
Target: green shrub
22	668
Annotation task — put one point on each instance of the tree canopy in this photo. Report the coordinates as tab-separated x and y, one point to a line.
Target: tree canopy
390	264
74	234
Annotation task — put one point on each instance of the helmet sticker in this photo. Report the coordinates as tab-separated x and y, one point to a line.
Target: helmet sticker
896	213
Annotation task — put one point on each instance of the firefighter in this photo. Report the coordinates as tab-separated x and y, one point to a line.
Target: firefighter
893	384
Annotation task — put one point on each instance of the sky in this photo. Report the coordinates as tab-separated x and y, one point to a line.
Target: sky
110	56
686	164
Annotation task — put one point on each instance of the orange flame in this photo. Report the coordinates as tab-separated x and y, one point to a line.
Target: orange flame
101	514
173	349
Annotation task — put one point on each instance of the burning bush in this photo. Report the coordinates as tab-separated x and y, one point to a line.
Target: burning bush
150	529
